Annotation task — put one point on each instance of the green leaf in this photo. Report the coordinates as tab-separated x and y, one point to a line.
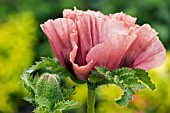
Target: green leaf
135	84
35	80
66	105
94	76
30	99
125	78
126	97
44	106
52	66
28	83
143	76
67	92
46	62
102	70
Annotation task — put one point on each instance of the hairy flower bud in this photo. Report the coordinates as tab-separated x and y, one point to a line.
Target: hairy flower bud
48	87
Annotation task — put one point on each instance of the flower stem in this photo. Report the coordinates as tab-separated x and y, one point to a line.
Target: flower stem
91	101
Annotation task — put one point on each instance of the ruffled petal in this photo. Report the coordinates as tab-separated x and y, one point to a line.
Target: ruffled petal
110	27
145	34
123	17
93	28
61	32
152	57
81	72
88	24
111	51
73	14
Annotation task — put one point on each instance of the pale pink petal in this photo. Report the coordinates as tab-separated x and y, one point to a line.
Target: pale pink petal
123	17
81	72
152	57
73	14
89	29
61	32
145	34
110	27
93	28
111	51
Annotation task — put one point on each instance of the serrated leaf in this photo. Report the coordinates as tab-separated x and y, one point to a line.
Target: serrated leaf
67	92
28	82
44	106
52	66
126	97
127	79
42	101
56	68
29	89
143	76
46	62
136	85
30	99
41	109
101	70
66	105
94	76
132	82
35	80
101	76
123	71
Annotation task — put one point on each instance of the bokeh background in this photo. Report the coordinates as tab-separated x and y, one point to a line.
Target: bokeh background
22	42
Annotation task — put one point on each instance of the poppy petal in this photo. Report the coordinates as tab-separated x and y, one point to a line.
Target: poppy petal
111	51
152	57
81	72
144	36
60	33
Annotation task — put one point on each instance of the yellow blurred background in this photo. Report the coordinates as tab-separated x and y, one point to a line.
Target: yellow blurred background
22	42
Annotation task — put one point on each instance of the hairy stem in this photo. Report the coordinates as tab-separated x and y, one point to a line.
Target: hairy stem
91	101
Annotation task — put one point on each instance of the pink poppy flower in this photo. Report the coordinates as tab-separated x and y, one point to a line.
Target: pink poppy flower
82	40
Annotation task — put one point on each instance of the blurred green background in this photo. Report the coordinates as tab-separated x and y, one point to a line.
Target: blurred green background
22	42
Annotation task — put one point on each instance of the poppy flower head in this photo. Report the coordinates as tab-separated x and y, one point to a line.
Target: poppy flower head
82	40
